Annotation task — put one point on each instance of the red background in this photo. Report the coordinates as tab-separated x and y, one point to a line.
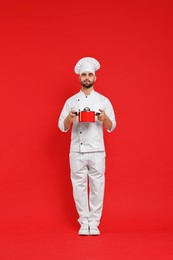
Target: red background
41	41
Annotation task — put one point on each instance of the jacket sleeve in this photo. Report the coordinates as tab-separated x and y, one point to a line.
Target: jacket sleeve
110	113
64	113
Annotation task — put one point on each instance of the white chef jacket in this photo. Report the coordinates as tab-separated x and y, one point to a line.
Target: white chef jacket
87	137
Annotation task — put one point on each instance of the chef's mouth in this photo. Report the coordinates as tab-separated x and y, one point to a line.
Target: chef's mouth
87	81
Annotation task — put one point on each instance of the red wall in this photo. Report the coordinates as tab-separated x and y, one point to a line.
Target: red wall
40	44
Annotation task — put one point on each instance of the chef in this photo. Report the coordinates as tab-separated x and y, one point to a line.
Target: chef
87	149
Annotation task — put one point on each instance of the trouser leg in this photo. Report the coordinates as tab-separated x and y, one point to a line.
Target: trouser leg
79	178
97	183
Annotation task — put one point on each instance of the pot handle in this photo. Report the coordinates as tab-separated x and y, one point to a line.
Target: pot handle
75	113
97	114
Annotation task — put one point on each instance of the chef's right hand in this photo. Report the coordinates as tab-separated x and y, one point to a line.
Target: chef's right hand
72	116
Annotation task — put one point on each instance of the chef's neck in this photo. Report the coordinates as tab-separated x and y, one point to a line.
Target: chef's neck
87	91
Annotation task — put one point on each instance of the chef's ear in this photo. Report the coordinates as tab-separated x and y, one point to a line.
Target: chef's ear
95	78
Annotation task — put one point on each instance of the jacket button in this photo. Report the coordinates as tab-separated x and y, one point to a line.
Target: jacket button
81	143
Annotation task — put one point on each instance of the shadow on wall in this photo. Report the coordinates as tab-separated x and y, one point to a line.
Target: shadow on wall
58	153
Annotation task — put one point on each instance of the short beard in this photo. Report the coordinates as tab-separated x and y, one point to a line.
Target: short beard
87	85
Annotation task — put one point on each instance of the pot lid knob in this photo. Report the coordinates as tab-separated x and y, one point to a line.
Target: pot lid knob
86	109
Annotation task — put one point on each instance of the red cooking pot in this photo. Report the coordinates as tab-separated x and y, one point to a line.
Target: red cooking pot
87	116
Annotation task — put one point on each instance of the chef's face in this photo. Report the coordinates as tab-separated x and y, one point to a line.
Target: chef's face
87	79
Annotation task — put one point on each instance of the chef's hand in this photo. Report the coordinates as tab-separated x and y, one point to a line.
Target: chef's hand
69	120
105	120
102	115
72	116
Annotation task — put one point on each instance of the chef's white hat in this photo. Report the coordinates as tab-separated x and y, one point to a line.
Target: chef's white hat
87	64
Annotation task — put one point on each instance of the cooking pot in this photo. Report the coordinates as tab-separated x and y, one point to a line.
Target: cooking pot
87	116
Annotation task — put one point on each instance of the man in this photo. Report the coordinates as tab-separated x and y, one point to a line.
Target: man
87	150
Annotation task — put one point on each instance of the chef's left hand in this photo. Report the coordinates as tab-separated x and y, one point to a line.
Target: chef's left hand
102	117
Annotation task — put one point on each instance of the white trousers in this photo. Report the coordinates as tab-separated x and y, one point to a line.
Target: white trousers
88	181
